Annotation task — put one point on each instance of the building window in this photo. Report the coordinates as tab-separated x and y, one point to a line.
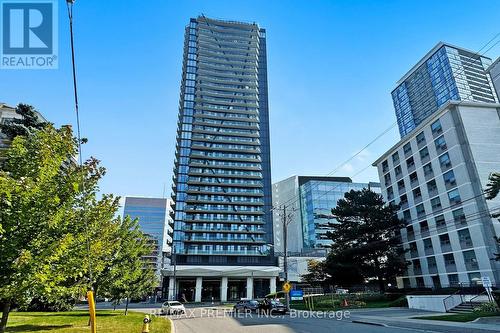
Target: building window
449	259
464	238
410	233
403	200
420	139
407	149
387	178
407	216
444	240
420	210
410	163
390	193
424	153
440	144
436	203
424	227
459	216
385	166
449	179
470	261
428	245
401	185
431	187
453	279
398	171
444	161
417	194
395	158
454	197
436	128
440	222
428	170
413	178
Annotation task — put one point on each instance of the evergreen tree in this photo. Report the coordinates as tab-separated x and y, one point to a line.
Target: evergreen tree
366	238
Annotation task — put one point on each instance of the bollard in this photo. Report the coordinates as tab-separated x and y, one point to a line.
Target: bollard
145	324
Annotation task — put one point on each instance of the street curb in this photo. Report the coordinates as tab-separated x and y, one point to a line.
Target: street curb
172	326
368	323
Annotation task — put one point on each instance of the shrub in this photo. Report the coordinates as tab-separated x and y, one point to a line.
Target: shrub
486	307
401	302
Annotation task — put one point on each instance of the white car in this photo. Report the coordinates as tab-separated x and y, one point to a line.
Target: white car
173	307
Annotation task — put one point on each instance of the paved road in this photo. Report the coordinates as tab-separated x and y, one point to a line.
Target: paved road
220	320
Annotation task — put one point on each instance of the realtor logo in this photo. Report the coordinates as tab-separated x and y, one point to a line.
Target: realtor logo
28	34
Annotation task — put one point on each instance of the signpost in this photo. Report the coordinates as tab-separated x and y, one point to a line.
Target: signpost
287	287
296	295
487	285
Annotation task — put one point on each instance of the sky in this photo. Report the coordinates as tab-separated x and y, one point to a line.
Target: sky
331	68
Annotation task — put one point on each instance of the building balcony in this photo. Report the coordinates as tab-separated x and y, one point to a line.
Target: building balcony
223	191
192	228
193	239
230	221
225	211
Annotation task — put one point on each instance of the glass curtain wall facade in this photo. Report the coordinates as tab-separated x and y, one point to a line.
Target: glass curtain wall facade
317	198
222	176
152	216
446	73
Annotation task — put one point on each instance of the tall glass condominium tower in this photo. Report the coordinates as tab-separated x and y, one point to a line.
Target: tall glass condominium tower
222	174
446	73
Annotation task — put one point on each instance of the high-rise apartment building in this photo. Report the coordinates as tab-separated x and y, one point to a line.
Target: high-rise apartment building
448	115
438	174
223	232
311	198
494	71
153	218
446	73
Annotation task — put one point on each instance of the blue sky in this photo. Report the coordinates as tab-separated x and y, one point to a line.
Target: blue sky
331	66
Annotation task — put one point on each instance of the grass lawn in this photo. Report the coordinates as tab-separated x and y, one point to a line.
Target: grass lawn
324	303
76	322
461	317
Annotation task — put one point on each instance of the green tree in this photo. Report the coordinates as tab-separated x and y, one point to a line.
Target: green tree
366	237
26	124
54	229
129	276
492	190
343	271
316	273
36	196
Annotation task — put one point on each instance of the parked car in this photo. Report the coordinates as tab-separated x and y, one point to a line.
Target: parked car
272	306
246	305
172	307
277	306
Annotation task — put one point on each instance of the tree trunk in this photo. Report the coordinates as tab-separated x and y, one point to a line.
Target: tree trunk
381	283
5	315
126	306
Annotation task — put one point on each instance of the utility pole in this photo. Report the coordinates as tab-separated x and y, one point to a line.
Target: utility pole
174	262
285	250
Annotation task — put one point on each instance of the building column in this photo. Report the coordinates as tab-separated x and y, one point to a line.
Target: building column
223	289
272	285
250	287
197	294
171	283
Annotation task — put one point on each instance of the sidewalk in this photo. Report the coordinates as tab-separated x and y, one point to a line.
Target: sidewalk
395	316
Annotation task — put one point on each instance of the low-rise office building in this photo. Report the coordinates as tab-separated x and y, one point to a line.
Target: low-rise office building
309	201
153	218
438	174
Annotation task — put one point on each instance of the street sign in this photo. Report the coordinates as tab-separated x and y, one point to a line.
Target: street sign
296	295
486	281
287	286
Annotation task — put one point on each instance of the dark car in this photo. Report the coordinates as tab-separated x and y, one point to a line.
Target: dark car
272	306
247	305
